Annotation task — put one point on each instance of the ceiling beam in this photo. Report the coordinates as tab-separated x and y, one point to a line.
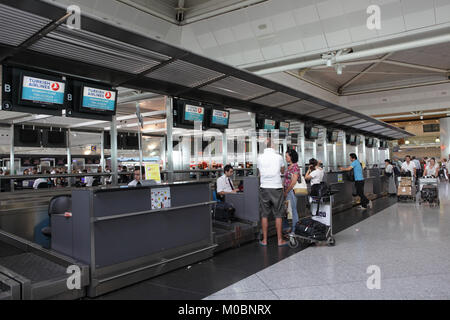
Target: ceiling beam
423	84
415	66
362	73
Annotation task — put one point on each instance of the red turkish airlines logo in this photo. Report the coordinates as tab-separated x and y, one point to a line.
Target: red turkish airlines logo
108	95
224	114
199	110
55	86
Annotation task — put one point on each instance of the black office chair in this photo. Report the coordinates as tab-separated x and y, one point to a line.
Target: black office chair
58	205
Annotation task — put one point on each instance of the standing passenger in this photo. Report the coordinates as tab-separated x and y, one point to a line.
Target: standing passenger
291	177
359	180
389	170
271	199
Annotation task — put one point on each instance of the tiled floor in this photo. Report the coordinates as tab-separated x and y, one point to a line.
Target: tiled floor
410	243
229	267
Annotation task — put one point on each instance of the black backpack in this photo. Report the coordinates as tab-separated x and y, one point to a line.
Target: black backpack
310	228
396	171
223	211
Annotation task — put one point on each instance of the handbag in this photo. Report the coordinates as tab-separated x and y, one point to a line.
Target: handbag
301	188
288	206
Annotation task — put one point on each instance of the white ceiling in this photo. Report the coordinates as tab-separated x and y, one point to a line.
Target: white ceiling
273	31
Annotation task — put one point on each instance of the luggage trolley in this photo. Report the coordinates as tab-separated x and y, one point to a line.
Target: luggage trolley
321	209
429	190
409	195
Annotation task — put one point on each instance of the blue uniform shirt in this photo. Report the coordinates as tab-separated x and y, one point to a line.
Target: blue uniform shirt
357	170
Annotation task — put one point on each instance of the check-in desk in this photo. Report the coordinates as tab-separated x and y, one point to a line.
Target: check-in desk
246	203
339	182
117	233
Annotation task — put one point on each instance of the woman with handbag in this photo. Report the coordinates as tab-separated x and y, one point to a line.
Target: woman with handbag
291	176
315	174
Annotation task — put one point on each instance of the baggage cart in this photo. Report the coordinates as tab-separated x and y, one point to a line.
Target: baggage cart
429	190
321	210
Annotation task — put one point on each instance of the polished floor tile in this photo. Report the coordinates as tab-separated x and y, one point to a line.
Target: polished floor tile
409	243
259	295
310	293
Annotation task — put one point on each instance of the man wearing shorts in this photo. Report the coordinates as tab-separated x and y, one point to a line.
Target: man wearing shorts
271	198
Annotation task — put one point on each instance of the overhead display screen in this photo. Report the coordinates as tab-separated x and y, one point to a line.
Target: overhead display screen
42	91
194	113
269	124
98	99
314	132
284	126
220	117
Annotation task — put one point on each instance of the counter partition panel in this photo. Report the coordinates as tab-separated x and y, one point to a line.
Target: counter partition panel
125	239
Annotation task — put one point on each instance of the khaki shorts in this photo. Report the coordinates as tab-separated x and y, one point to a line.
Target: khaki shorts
271	200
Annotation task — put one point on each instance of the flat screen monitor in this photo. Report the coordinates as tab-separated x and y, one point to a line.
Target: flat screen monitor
131	142
41	91
98	100
269	124
284	126
220	118
56	137
333	136
314	133
28	136
193	114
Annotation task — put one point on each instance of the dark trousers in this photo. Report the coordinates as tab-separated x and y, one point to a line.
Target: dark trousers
359	185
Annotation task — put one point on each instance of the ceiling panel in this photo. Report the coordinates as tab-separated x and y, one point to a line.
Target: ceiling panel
236	88
17	26
302	107
345	120
324	114
184	73
276	99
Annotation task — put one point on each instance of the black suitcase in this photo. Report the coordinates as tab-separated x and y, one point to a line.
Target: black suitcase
429	194
223	211
312	229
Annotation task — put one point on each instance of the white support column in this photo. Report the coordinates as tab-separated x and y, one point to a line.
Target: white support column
254	141
169	125
102	150
302	143
69	155
225	147
335	164
113	133
344	149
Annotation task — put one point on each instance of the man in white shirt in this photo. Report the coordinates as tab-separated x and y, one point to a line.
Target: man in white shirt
409	166
39	181
138	173
224	183
418	166
271	196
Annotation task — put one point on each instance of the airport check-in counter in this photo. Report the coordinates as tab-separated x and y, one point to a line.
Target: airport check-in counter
246	203
339	182
117	233
375	185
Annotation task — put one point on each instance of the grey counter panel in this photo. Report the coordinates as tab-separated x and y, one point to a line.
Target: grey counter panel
151	233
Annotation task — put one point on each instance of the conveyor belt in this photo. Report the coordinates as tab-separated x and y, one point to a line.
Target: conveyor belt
8	250
33	267
28	271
